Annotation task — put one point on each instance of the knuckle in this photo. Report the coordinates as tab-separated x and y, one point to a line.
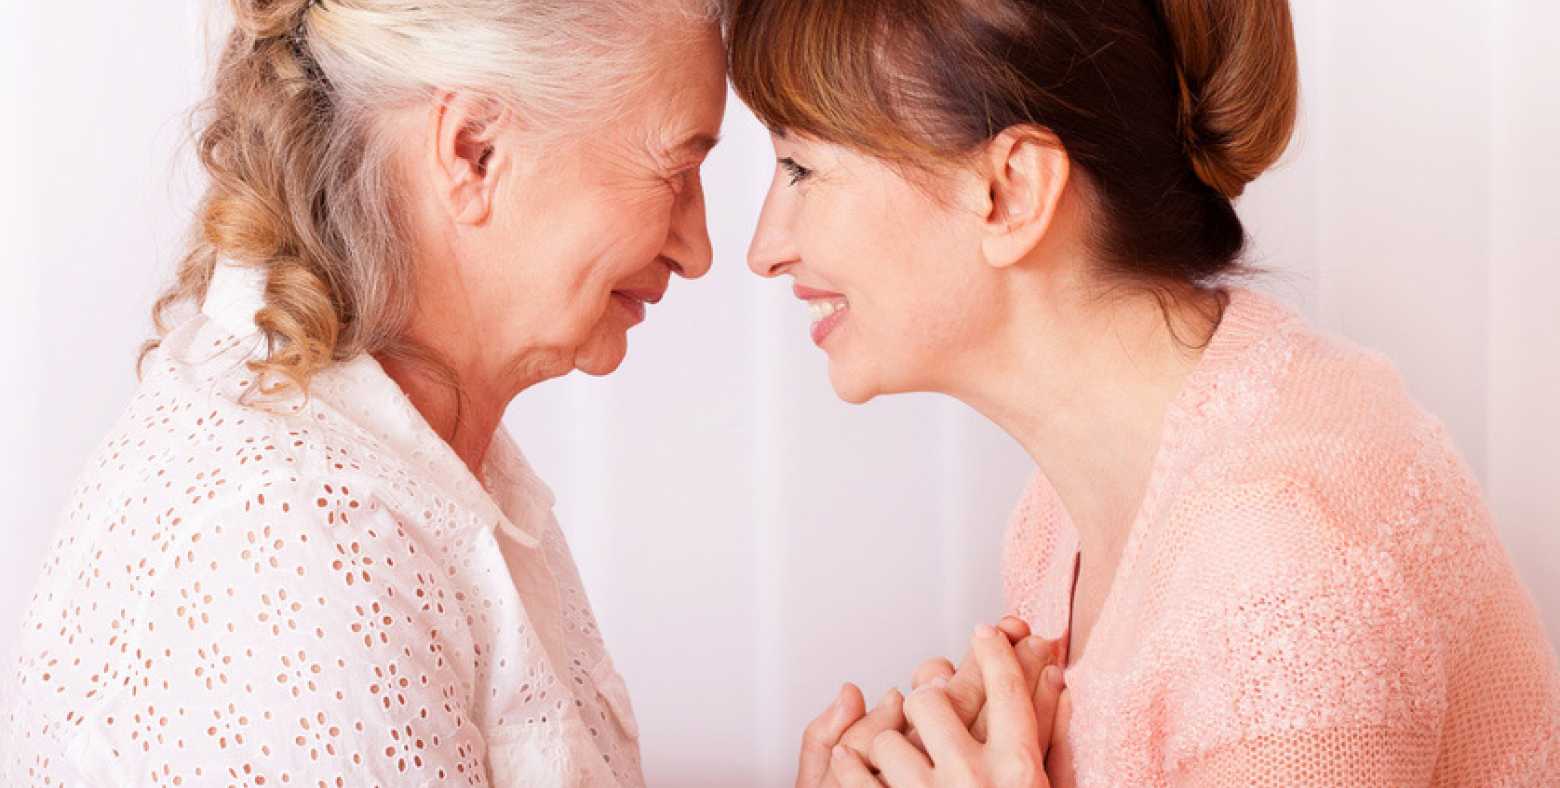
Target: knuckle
880	743
1012	685
923	700
935	667
967	704
965	686
859	737
1020	770
817	734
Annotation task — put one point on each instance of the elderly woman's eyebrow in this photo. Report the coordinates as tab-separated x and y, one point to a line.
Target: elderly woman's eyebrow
697	144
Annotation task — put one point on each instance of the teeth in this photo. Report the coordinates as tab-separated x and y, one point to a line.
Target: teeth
824	308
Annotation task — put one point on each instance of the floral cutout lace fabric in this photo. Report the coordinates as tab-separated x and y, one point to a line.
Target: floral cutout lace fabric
1313	592
270	590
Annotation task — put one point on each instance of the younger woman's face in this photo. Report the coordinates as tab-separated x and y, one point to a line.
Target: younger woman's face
891	268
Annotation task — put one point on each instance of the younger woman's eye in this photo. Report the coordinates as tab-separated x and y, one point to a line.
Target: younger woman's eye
797	172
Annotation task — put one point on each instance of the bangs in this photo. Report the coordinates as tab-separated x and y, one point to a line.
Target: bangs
822	68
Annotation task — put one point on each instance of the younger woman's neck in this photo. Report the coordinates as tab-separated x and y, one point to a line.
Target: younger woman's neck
1082	378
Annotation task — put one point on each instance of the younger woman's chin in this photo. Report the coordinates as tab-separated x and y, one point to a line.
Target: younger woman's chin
849	388
859	385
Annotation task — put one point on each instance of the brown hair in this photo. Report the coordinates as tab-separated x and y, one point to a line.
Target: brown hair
1168	107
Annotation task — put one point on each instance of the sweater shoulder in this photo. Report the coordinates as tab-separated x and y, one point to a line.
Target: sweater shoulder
1344	431
1343	488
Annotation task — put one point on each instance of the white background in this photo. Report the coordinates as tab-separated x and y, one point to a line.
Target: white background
749	541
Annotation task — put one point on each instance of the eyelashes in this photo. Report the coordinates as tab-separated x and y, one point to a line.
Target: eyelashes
797	172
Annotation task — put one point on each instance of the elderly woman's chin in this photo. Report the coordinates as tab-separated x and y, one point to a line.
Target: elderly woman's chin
604	351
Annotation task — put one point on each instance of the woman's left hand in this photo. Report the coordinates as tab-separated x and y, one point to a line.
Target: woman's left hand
1013	755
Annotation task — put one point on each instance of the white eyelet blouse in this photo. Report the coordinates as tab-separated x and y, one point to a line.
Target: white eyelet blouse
270	590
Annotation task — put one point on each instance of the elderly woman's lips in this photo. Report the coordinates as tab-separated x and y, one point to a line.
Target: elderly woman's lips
644	295
634	302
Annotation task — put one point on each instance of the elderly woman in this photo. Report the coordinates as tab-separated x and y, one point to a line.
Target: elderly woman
309	553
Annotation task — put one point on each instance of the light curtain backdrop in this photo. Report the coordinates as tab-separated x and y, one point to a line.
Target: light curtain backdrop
748	541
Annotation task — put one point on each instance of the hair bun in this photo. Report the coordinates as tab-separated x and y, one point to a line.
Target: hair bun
1239	81
263	19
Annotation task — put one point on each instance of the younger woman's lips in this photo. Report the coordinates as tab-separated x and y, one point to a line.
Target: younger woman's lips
810	294
823	328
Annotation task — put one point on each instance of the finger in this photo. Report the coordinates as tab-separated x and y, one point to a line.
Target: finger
967	691
1048	694
824	732
849	770
889	714
981	727
1034	653
1011	709
901	763
1014	627
931	669
1059	761
945	736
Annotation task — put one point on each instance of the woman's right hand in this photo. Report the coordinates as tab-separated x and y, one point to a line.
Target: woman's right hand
847	722
967	694
1013	755
965	686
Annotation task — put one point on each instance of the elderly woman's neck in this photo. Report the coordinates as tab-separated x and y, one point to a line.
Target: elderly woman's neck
463	408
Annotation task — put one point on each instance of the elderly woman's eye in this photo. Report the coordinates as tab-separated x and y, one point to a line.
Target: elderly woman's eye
797	172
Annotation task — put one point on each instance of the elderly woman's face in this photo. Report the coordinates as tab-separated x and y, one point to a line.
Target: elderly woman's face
584	234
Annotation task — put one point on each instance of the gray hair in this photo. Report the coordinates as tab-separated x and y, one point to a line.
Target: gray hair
299	160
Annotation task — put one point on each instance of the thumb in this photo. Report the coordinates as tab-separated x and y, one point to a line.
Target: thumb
824	732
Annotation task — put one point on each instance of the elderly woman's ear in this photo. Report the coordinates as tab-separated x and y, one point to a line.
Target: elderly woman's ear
470	152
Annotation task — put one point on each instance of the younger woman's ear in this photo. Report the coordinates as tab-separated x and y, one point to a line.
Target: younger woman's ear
469	154
1025	175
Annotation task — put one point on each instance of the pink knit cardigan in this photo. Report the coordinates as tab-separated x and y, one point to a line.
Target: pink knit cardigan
1313	592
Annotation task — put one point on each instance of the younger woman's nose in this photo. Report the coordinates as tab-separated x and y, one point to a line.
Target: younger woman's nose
772	250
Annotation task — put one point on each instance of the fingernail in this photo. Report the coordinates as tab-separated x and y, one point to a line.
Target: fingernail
939	683
837	710
1035	645
888	696
985	631
1053	677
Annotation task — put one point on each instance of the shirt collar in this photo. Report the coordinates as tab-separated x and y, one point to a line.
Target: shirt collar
235	294
360	392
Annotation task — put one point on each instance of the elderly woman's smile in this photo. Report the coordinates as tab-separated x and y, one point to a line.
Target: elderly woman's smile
415	212
633	300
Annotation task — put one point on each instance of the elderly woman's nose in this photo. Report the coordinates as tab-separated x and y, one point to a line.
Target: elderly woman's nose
690	251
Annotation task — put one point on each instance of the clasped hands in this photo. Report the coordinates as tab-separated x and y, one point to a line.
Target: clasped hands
997	719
